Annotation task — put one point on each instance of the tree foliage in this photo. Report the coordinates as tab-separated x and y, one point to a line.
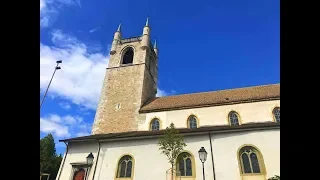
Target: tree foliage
171	144
49	160
276	177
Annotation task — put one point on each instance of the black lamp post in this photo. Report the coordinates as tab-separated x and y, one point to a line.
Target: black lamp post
55	69
90	158
203	157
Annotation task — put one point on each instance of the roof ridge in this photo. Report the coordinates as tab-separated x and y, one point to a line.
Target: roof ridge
247	87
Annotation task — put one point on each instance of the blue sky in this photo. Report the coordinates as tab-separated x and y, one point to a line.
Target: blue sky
204	45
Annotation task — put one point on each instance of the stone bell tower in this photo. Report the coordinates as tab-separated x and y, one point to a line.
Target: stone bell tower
130	80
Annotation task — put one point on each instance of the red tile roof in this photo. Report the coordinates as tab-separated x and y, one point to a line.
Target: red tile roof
214	98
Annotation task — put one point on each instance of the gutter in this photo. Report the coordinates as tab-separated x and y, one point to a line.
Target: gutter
213	171
95	167
117	138
62	164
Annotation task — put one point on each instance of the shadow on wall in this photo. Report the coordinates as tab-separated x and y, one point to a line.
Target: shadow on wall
83	148
80	147
130	143
101	159
238	134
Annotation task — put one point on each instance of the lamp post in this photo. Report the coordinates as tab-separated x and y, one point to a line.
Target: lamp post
55	69
89	158
203	157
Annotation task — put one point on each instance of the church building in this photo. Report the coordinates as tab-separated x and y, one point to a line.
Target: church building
239	128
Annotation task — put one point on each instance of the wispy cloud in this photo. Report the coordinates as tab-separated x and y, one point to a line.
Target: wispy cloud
79	3
50	125
64	126
81	76
65	106
49	10
161	93
94	30
42	4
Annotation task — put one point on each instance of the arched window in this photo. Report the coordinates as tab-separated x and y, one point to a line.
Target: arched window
79	174
128	56
192	122
125	167
276	114
155	124
185	165
251	161
233	118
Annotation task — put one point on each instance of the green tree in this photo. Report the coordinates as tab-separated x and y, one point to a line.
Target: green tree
171	144
49	161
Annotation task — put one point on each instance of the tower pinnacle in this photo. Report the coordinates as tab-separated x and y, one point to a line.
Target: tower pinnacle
155	44
155	47
116	40
119	28
145	35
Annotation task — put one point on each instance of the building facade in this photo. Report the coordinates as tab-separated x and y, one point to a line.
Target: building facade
239	128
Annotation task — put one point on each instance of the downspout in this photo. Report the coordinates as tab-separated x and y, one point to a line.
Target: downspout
213	171
95	167
64	159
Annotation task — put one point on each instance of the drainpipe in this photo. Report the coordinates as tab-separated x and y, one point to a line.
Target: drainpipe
213	171
64	159
95	167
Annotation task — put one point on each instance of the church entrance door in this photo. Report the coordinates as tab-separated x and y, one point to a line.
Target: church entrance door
79	175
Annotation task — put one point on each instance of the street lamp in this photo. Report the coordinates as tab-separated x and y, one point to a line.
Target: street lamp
55	69
90	158
203	157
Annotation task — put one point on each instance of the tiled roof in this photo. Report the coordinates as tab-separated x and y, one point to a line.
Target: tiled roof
214	98
205	129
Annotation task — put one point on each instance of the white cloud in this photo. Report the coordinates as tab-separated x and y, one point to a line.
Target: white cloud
93	30
81	75
55	118
51	126
42	4
65	106
49	9
78	2
82	134
161	93
44	21
65	126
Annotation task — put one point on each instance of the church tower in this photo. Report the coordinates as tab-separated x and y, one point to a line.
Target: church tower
130	81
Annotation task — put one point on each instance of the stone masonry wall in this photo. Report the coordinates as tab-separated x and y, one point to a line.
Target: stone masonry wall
125	89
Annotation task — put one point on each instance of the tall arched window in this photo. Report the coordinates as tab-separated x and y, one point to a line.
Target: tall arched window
128	56
276	114
192	122
233	118
155	124
185	165
125	167
79	174
251	161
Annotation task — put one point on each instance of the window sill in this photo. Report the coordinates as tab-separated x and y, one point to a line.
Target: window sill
253	174
185	177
